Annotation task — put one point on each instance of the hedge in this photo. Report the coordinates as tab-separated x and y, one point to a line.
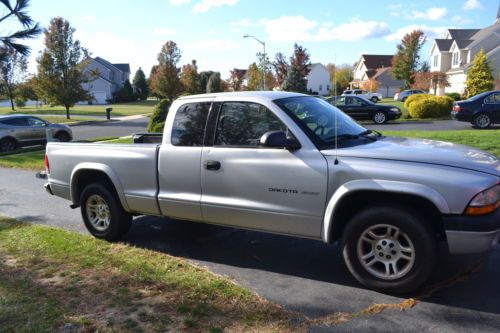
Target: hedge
430	107
412	98
160	112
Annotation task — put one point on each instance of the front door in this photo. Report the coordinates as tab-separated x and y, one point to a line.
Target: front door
37	129
248	186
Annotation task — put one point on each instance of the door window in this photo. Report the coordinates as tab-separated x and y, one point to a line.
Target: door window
341	101
15	122
242	124
189	125
36	122
493	99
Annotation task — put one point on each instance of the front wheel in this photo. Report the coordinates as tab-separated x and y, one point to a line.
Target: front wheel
482	120
103	213
374	99
389	249
379	117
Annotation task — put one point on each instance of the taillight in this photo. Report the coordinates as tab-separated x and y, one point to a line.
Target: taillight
46	163
456	108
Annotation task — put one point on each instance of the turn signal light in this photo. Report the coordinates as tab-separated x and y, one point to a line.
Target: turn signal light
485	202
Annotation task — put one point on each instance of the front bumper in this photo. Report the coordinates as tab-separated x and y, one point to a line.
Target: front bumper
472	234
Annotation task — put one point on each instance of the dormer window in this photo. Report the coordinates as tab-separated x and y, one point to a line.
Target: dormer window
455	58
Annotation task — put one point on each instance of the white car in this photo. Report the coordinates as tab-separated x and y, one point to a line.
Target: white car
374	97
402	96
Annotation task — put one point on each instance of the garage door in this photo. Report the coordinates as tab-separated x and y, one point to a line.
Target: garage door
100	97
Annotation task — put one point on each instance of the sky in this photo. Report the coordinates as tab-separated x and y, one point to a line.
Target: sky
211	31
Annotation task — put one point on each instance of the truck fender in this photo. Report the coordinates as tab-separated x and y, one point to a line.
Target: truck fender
79	168
378	186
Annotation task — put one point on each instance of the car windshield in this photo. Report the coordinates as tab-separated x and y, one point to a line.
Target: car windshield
320	119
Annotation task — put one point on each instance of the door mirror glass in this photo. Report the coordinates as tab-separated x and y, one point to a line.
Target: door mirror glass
279	139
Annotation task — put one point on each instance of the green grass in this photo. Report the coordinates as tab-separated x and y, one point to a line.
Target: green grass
124	109
127	139
52	279
73	120
488	140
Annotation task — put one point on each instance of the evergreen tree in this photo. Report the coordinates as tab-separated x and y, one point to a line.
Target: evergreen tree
140	85
295	81
407	59
214	83
479	75
61	67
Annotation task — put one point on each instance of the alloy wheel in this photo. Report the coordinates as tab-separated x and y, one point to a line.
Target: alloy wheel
98	212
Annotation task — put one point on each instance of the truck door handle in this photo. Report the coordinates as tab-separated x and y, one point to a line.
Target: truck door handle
211	165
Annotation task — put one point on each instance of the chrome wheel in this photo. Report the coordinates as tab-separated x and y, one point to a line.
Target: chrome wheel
379	118
482	121
98	212
386	252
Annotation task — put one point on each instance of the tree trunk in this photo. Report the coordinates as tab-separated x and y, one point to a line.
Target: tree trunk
67	111
12	103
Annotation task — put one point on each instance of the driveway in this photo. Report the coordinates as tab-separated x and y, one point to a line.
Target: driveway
305	276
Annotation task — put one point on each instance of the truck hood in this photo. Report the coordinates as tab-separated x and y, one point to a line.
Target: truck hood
424	151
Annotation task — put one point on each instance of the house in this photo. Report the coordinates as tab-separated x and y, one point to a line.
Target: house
376	67
318	80
454	54
110	78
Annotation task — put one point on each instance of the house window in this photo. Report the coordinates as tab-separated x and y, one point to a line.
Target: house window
327	87
435	64
455	59
320	87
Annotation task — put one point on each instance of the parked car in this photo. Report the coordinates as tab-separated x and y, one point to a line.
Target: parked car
23	130
403	95
363	109
481	110
292	164
374	97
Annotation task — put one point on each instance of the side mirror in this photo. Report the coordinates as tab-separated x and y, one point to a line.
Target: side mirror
278	139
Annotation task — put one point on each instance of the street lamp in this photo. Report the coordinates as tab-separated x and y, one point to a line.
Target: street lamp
265	64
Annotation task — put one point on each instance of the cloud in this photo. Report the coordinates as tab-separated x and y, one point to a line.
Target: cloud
205	5
89	18
213	45
434	13
430	32
165	32
238	25
179	2
299	28
472	4
461	20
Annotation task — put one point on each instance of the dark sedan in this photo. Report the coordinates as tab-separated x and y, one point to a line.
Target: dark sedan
481	110
363	109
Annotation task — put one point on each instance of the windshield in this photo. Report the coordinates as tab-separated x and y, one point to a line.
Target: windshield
318	118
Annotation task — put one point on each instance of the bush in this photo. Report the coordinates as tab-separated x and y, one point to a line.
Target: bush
158	128
159	115
413	98
20	102
455	96
430	107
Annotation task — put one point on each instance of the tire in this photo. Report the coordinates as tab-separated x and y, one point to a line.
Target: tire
62	136
379	117
113	223
481	121
404	99
7	145
411	272
374	99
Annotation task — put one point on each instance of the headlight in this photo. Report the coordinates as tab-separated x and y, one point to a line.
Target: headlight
395	110
484	202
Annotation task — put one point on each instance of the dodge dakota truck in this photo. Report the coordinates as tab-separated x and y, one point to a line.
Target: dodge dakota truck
292	164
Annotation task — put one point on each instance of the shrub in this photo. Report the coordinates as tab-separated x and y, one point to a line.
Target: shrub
159	115
158	128
430	107
413	98
20	102
455	96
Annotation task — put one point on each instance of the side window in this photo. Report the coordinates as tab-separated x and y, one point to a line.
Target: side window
242	124
16	122
341	100
189	125
493	98
35	122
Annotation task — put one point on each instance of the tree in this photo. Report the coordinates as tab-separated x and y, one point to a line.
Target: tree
204	77
281	67
407	59
370	85
140	85
214	83
165	81
425	67
29	29
343	76
26	91
295	81
125	94
12	71
479	75
190	78
300	60
254	77
430	80
236	79
61	67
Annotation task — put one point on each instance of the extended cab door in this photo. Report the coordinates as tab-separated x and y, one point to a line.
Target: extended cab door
179	161
269	189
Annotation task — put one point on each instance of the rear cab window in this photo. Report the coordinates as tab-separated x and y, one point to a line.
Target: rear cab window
188	128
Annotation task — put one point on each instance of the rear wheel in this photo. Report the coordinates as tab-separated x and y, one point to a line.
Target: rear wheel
482	120
7	145
379	117
103	213
389	249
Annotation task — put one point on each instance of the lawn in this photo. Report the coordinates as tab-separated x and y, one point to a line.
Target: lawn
488	140
55	280
124	109
63	120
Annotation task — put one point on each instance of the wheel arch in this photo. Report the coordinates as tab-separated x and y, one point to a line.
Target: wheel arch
350	197
87	173
59	131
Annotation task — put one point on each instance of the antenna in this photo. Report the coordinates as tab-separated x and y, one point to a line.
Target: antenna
335	99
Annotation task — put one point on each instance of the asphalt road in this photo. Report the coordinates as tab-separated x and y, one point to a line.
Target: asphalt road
112	128
302	275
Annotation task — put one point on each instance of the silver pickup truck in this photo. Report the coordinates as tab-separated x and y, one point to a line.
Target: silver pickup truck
295	165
